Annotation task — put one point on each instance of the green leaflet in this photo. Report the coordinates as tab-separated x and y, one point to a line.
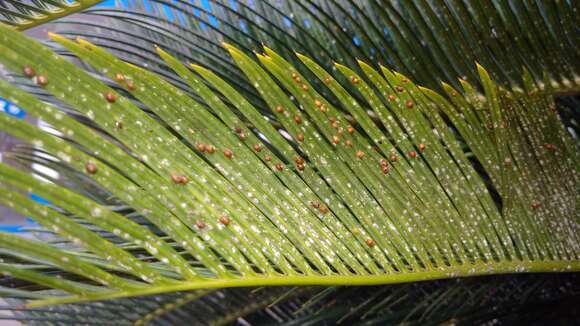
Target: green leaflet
65	261
371	187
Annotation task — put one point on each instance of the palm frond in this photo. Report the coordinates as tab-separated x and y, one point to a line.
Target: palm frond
427	41
328	198
25	14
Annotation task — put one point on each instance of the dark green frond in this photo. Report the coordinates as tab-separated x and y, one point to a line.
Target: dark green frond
427	41
25	14
505	300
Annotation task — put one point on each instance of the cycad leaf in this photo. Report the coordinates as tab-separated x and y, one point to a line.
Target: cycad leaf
25	14
429	41
331	197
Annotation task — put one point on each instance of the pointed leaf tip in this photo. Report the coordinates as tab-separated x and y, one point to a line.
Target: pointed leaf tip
446	86
339	66
480	69
362	63
266	48
301	56
399	75
260	55
160	51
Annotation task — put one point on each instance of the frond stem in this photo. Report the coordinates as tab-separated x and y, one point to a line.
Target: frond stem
467	270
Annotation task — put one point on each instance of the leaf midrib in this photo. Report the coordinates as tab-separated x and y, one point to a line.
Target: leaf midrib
466	270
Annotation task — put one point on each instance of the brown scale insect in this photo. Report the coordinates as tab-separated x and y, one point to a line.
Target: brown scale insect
225	220
41	80
28	72
354	79
296	77
201	147
119	124
392	97
280	109
323	209
348	143
393	157
279	167
404	80
370	242
267	158
242	136
300	167
384	162
238	130
299	160
175	178
228	153
119	77
305	87
110	97
317	103
409	104
422	147
360	154
332	119
91	168
323	109
327	80
130	85
385	169
179	178
210	149
300	137
315	204
536	204
335	125
200	224
335	140
549	146
258	147
298	119
400	89
413	154
350	130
